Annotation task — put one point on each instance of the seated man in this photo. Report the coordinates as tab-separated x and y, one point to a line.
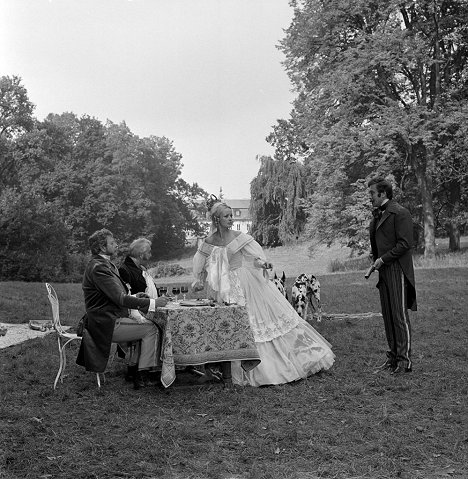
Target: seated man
133	269
107	305
133	273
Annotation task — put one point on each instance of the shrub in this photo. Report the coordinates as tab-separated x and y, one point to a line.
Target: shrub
162	270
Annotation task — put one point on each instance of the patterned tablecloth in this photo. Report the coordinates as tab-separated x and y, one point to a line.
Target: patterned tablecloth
204	334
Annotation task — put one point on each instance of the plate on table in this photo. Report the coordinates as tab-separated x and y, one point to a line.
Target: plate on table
196	302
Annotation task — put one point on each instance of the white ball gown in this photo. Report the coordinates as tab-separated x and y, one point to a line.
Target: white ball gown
289	347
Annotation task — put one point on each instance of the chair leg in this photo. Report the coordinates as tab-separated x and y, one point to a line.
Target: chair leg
98	380
59	373
63	361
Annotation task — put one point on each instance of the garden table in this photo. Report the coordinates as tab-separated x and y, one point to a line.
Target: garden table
196	335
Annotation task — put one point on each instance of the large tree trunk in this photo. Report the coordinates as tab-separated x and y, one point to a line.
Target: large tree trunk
425	182
451	224
454	236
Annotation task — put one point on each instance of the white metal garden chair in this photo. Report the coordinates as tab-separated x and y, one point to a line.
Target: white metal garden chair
63	338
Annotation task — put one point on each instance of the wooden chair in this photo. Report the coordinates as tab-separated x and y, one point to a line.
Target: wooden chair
63	338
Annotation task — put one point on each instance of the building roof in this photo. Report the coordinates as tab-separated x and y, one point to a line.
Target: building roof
240	204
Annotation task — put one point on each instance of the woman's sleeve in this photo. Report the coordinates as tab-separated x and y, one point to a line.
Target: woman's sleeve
252	251
199	266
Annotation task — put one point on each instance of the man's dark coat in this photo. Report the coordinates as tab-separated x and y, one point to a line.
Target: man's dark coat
391	239
106	299
132	275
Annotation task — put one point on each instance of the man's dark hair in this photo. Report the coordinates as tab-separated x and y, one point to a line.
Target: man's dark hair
98	239
382	185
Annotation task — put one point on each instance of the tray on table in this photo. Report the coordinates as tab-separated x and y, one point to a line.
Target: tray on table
196	302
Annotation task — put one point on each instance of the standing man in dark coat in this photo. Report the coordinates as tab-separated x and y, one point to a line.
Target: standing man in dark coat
107	305
391	237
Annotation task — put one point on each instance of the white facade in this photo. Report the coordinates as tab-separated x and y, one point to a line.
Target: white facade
242	220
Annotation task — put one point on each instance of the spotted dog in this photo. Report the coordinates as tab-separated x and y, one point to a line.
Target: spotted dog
305	291
280	283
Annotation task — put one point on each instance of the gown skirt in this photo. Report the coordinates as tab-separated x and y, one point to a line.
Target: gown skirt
290	348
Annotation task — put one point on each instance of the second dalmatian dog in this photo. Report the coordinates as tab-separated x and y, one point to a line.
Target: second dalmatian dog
305	291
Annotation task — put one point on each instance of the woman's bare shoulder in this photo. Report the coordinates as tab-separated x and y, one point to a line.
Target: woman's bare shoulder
210	240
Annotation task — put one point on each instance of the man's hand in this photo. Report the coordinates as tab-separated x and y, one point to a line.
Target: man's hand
141	295
378	263
161	302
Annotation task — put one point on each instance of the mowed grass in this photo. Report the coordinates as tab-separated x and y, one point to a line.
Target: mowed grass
319	259
348	422
293	259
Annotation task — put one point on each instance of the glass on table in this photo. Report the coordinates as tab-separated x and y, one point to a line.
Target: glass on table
184	290
176	291
162	291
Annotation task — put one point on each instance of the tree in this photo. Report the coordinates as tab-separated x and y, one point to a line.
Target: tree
375	80
276	192
15	108
15	117
69	176
33	240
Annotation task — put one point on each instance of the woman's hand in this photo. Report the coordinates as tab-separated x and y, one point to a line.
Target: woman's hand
197	286
262	264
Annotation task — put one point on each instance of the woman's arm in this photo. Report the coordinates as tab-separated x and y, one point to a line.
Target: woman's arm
199	271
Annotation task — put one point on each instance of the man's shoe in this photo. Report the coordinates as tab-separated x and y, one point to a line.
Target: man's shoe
138	381
386	365
400	370
131	372
152	378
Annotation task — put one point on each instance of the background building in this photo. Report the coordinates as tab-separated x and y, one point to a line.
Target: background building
240	215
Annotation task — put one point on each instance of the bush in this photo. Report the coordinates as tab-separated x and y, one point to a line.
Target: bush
162	270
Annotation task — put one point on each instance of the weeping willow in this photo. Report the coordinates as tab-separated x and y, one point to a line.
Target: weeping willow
276	194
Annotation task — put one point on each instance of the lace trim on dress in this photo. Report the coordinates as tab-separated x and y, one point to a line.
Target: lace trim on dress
218	273
205	248
268	331
234	246
239	242
236	294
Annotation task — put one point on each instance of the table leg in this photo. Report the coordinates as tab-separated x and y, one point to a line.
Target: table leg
226	370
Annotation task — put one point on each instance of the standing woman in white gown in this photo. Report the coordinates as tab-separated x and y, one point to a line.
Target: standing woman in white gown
234	267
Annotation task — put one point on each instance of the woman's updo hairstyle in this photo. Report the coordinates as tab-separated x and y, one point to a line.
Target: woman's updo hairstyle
210	202
215	208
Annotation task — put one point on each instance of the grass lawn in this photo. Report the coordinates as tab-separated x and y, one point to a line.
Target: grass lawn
345	423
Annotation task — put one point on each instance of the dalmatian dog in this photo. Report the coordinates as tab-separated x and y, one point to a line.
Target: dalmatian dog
305	291
280	283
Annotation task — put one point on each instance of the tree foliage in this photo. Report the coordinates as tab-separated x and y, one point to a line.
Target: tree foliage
277	213
15	117
381	89
69	176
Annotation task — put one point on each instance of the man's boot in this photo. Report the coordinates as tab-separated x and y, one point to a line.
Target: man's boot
138	381
130	374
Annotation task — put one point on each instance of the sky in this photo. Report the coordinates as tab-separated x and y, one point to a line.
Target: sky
206	74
